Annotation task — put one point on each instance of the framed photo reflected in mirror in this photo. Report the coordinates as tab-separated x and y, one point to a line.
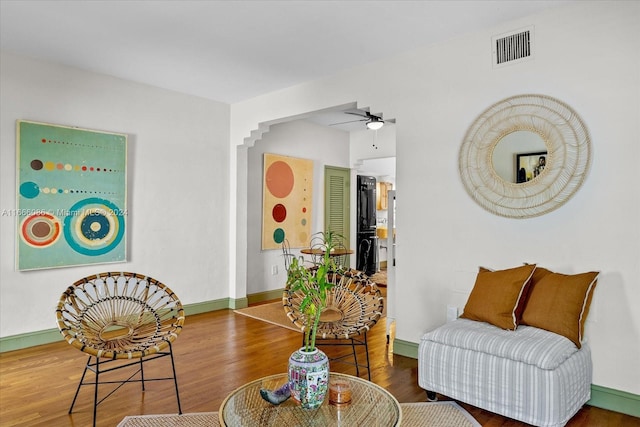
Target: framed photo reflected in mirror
530	165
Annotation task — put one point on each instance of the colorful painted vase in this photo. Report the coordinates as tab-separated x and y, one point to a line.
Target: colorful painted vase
309	377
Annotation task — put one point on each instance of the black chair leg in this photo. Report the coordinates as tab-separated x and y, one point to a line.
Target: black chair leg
96	370
142	373
175	378
355	357
366	351
80	384
95	393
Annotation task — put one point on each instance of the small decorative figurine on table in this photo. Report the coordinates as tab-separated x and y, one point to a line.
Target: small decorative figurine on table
278	395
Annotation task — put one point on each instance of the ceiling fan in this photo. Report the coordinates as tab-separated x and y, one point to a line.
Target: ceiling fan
373	122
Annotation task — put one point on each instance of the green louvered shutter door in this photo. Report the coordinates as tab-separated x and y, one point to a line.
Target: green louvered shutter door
337	182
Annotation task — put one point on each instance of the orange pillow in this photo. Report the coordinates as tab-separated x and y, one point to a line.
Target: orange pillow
560	303
537	275
496	294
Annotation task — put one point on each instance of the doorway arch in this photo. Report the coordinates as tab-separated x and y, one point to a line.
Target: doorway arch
238	233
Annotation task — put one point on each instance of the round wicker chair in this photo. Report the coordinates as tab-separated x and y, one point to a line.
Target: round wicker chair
120	316
354	305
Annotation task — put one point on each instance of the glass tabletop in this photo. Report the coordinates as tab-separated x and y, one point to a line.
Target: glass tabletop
371	405
334	252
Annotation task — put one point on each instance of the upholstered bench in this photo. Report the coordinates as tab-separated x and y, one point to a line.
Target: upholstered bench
529	374
518	348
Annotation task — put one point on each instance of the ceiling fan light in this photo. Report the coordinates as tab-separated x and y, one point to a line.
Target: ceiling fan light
375	123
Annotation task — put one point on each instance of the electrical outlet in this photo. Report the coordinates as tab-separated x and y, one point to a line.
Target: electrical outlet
274	270
452	313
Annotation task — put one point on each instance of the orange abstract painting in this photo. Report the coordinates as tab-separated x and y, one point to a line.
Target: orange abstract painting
287	201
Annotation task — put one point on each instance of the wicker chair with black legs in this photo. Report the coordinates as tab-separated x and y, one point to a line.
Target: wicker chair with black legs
354	305
290	256
342	261
120	320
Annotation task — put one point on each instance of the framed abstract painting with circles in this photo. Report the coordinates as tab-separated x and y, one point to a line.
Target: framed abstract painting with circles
71	196
287	201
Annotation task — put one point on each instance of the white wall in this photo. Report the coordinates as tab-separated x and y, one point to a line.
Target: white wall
177	170
368	144
302	139
587	55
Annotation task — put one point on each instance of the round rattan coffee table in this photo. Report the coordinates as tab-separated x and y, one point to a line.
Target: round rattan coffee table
370	406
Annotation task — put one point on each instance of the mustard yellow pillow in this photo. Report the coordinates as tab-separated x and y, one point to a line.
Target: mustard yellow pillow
496	294
537	275
560	303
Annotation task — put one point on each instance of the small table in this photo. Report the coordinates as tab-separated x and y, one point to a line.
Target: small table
371	406
335	252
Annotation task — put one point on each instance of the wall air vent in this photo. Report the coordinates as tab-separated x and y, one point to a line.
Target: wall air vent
514	47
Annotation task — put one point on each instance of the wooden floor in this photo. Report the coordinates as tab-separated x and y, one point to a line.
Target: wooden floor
216	353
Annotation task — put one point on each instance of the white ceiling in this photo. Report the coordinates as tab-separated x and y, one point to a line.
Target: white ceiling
231	51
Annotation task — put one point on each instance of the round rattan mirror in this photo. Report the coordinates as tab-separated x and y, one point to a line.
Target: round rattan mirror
567	156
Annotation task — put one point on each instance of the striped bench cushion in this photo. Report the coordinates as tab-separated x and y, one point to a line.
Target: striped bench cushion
526	344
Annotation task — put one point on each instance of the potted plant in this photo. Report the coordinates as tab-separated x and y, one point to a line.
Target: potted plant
309	366
313	284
